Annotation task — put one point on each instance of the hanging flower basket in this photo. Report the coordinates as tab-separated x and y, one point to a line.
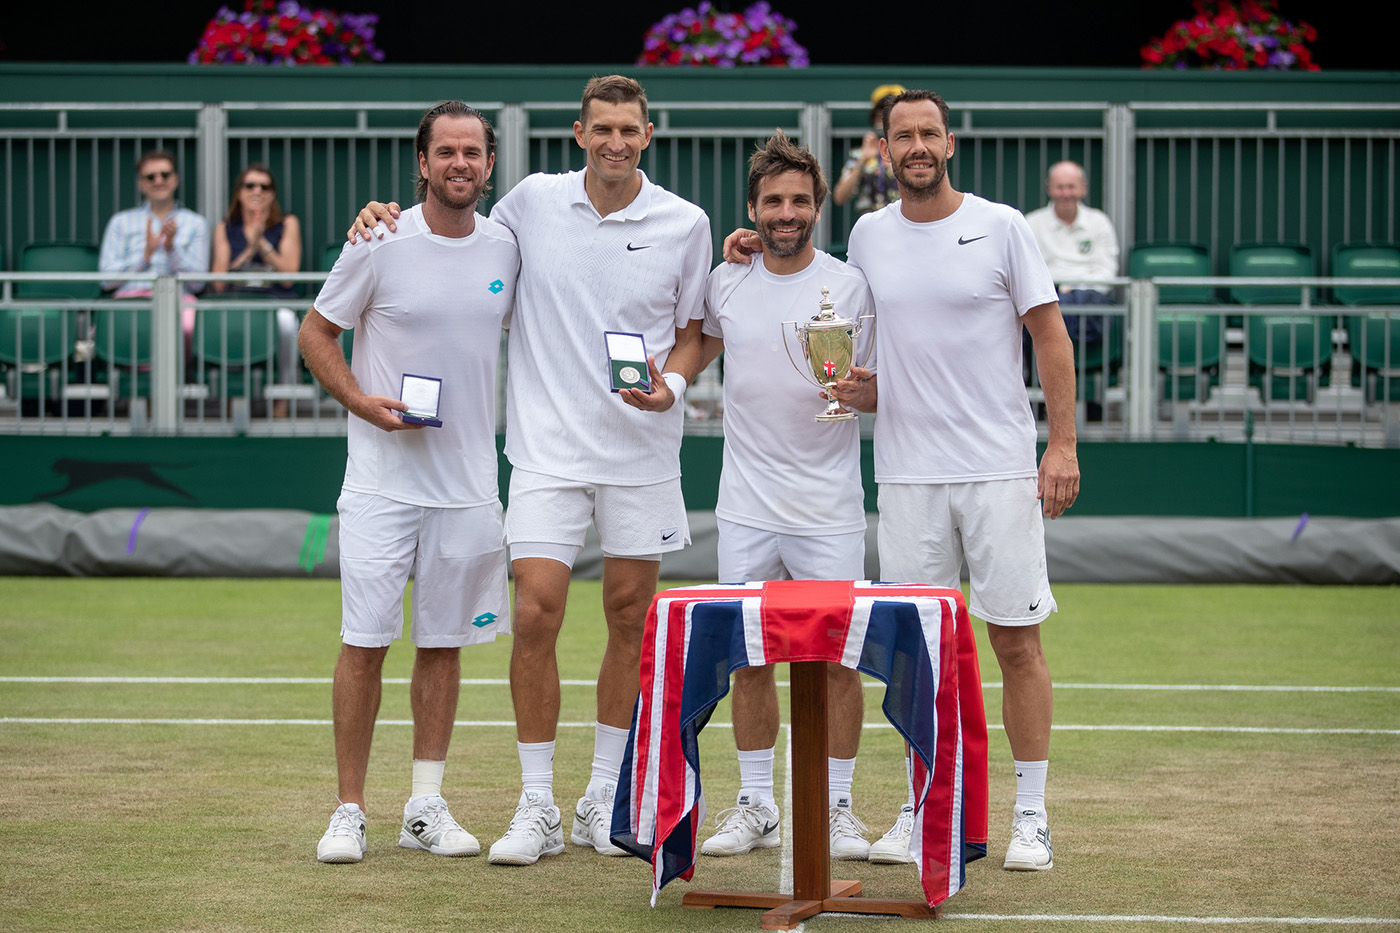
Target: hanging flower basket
286	33
702	36
1223	35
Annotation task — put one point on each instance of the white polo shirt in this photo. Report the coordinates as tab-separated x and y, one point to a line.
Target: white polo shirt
639	270
1084	251
430	306
783	471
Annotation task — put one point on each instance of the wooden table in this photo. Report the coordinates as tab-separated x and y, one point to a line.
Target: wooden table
917	640
813	890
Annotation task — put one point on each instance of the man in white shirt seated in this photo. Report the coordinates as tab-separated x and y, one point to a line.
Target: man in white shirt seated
1079	245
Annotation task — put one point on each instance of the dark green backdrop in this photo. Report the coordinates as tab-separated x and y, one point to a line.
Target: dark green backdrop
1198	479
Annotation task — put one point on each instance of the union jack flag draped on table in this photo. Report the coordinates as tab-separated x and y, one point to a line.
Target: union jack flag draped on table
917	640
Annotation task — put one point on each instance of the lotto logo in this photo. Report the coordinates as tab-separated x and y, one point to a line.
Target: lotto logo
497	287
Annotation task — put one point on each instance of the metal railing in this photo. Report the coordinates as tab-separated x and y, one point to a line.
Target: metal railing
176	363
1216	174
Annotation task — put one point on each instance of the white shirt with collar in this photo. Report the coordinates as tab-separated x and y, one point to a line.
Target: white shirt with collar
1083	251
639	270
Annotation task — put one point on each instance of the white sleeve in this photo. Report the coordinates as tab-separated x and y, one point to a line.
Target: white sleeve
695	269
349	289
713	300
510	209
1030	283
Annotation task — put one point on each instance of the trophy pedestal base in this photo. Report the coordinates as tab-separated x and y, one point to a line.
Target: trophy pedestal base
835	416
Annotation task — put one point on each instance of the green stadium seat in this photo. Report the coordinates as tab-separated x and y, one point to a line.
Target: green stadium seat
233	348
1188	354
1368	261
1290	355
122	343
1188	345
58	257
1156	260
1374	339
1272	260
1375	352
32	342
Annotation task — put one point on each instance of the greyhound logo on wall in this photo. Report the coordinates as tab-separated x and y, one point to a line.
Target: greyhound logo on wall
84	473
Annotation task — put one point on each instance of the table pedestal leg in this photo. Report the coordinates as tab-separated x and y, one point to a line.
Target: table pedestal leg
813	890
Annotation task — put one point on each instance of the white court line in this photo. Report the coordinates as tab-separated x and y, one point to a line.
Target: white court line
869	685
135	721
1167	918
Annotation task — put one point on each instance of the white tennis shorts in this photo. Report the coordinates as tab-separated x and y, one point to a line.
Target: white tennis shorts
548	517
748	554
458	560
926	530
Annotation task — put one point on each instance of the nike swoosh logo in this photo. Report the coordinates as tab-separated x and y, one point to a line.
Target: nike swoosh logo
963	241
668	537
633	249
768	828
1034	605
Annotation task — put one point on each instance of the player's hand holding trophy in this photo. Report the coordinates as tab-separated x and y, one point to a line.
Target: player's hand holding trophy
828	343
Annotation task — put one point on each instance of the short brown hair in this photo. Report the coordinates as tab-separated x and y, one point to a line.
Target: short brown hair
909	97
152	155
780	154
613	89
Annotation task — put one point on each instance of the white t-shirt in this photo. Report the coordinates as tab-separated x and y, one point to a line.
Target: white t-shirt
639	270
783	471
949	294
1084	251
430	306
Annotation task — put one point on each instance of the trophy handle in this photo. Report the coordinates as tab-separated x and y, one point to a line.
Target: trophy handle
870	348
802	371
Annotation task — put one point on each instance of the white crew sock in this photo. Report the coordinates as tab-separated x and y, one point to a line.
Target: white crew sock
756	776
427	777
537	768
909	776
840	773
609	745
1030	787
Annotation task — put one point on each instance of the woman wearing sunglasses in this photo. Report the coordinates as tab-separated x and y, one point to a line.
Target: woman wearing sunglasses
256	236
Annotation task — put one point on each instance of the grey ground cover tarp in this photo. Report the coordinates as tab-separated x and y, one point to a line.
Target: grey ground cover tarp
46	540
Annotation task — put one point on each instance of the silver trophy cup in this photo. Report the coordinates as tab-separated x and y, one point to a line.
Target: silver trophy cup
828	344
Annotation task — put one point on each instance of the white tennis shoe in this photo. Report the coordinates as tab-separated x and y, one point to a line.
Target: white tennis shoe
1029	849
893	847
344	840
848	841
427	825
743	828
535	831
593	823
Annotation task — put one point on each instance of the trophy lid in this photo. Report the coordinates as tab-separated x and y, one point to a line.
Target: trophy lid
826	318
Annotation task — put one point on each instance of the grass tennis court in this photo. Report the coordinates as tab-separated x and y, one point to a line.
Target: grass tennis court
166	763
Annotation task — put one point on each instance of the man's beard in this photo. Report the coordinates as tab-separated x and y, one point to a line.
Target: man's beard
442	193
921	192
773	247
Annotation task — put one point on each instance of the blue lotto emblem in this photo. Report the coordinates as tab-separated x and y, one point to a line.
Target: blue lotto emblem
496	288
485	619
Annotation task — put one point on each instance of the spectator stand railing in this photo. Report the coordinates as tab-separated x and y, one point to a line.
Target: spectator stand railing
1285	375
